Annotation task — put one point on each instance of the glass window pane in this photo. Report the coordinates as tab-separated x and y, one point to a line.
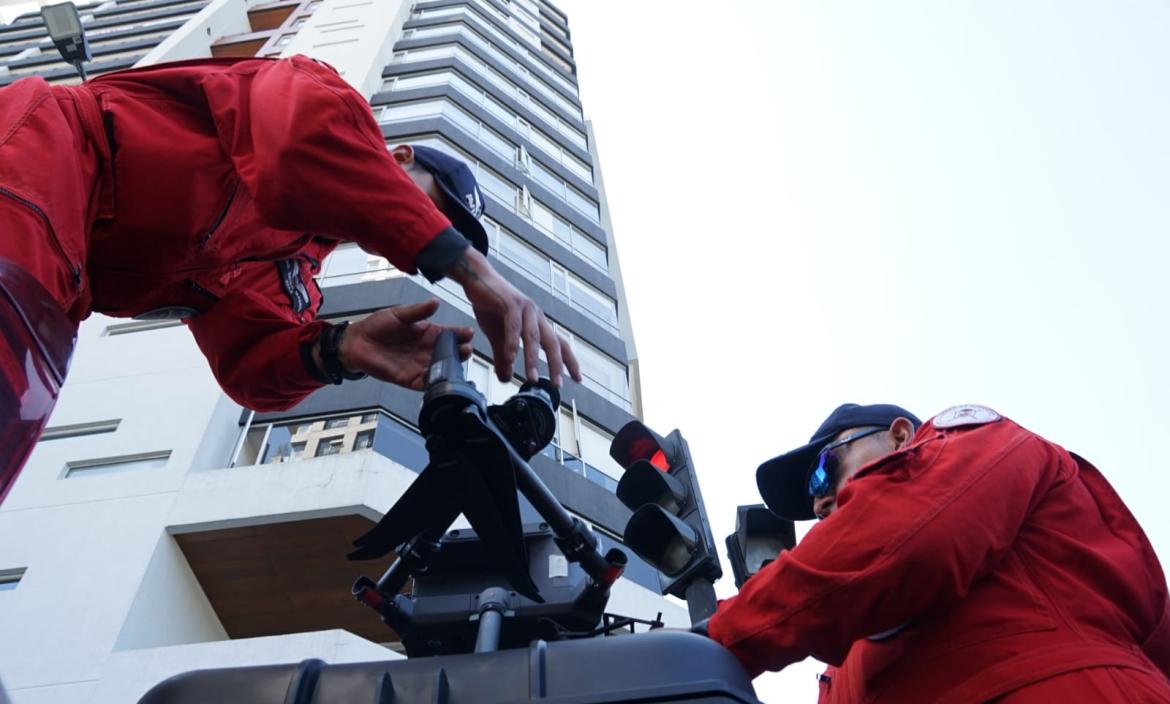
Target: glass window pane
400	443
583	204
526	257
542	217
577	168
460	118
493	184
418	81
497	144
594	301
562	230
602	369
280	446
590	250
330	446
546	178
410	111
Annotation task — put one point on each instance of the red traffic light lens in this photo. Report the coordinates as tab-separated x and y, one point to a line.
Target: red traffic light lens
659	460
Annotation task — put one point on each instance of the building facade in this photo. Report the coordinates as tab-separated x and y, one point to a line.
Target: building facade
158	527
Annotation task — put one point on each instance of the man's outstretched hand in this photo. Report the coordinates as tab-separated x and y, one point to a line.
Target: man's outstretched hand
396	344
508	317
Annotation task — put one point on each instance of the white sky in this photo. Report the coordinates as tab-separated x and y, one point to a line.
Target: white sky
919	203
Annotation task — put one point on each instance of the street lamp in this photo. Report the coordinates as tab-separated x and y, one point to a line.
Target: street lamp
64	25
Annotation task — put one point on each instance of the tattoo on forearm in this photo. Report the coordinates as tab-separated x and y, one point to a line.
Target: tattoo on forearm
465	270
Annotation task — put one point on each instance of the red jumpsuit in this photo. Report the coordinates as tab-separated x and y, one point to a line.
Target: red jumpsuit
208	191
982	561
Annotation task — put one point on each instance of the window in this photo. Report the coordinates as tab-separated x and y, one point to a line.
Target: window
484	44
336	423
9	578
331	446
539	60
112	465
294	441
409	81
484	134
79	429
349	264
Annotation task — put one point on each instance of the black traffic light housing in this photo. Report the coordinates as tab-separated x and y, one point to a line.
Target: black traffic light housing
760	536
669	527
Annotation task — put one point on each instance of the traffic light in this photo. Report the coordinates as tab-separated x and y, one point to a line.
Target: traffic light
669	527
759	538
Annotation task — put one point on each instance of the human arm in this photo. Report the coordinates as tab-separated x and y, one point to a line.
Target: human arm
508	317
266	355
308	150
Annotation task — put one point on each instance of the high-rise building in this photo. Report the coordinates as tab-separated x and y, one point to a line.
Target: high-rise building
158	527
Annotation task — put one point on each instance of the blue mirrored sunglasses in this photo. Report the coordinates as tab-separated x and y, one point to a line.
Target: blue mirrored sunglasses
824	473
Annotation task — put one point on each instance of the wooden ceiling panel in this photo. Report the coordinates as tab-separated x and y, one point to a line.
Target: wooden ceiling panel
286	578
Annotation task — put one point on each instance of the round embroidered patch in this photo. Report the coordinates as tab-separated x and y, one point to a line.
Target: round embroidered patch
969	414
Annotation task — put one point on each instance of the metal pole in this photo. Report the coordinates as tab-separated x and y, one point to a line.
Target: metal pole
493	602
700	596
488	638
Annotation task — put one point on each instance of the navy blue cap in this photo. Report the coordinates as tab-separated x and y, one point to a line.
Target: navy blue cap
783	480
464	199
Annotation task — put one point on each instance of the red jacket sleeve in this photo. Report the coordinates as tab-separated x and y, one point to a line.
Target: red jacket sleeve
251	338
937	515
311	155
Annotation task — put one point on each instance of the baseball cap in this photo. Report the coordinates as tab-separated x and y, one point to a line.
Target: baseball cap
783	480
464	199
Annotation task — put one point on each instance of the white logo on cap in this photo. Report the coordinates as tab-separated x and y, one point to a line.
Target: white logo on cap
969	414
474	204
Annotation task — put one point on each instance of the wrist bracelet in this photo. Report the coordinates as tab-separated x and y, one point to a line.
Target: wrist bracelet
330	347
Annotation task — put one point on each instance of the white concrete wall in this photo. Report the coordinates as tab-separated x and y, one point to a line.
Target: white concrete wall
356	37
193	40
170	607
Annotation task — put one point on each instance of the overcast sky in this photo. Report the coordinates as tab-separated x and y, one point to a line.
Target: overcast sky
923	203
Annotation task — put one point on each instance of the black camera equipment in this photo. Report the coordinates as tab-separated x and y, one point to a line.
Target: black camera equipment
479	460
532	643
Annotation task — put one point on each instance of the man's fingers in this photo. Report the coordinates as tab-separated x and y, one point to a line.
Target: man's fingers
416	312
465	350
570	359
551	342
511	342
532	319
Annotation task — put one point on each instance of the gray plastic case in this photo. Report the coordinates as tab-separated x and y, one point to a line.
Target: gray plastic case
659	666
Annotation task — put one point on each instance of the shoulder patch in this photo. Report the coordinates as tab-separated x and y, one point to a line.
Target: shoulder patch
969	414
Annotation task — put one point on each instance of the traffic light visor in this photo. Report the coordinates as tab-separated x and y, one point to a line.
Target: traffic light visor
637	442
644	484
661	539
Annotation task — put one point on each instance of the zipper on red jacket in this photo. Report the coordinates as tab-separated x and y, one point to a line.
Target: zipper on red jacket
74	268
219	220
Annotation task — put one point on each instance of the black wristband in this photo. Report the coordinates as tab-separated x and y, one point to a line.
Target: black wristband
311	366
330	347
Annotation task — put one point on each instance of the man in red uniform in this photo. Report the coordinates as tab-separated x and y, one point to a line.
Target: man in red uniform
960	560
211	190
